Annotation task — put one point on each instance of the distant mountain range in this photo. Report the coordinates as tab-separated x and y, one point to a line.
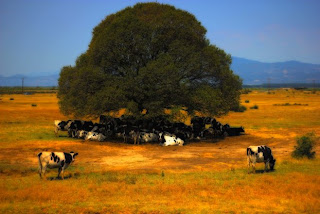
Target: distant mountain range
251	72
41	80
258	73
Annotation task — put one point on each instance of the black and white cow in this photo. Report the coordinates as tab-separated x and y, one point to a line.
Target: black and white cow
81	134
60	160
95	136
167	139
259	154
147	137
60	125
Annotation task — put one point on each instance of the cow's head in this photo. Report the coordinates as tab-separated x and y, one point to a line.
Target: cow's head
82	133
73	154
272	163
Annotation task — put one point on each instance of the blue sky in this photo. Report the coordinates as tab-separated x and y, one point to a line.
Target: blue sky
42	36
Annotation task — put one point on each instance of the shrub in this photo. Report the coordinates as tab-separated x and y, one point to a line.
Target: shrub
288	104
239	108
304	146
246	91
34	105
254	107
11	98
247	101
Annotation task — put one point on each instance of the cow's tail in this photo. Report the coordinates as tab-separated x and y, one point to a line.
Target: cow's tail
249	151
40	164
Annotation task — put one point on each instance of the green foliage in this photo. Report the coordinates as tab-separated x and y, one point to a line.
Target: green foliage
247	101
254	107
240	108
147	58
304	146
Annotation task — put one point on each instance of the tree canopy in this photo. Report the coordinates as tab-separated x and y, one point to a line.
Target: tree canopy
147	58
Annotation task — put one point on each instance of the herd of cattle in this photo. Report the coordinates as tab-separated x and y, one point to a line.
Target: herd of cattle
153	130
136	131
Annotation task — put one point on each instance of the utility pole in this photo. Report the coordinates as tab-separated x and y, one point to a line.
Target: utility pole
22	84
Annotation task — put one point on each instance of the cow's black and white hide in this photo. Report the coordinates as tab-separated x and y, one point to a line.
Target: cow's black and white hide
94	136
87	126
99	128
198	126
260	154
81	134
167	139
60	125
209	133
60	160
73	127
147	137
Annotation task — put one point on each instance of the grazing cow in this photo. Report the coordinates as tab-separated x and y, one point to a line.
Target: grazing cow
170	140
60	126
259	154
60	160
95	136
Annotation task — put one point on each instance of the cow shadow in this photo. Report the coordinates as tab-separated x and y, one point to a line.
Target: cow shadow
261	171
63	136
69	176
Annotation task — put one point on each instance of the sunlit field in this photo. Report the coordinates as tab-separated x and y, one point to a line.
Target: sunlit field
200	177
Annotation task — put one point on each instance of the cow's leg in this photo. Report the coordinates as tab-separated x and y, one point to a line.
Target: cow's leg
40	169
136	139
62	173
266	166
44	171
73	134
249	164
59	171
40	172
56	130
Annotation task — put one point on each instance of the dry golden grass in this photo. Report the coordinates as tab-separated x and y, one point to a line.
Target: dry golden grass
201	177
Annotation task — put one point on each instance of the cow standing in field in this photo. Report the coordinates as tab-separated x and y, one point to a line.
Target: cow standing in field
60	160
259	154
60	125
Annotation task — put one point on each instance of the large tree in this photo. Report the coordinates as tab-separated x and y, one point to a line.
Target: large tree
147	58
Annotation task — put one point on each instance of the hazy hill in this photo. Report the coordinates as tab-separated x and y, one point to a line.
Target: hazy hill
256	73
16	80
252	72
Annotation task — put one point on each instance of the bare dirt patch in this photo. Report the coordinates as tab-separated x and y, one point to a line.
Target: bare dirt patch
228	153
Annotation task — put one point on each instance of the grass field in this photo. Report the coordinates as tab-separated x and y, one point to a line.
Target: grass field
200	177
